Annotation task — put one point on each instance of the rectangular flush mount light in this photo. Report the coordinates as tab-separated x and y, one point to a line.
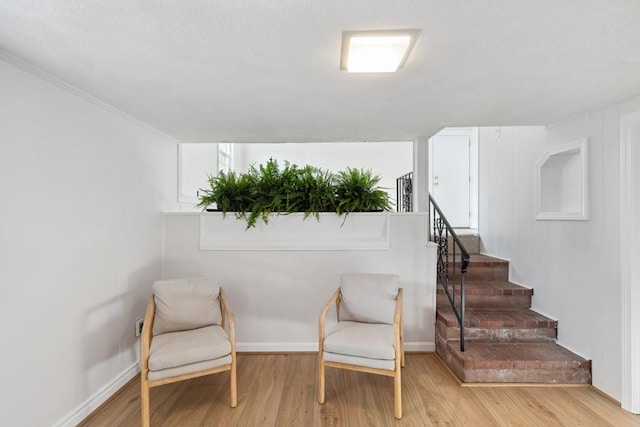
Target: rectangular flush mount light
376	51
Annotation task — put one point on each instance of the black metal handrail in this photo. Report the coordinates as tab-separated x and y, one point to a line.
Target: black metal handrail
442	231
404	193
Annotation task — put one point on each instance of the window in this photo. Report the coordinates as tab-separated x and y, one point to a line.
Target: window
225	157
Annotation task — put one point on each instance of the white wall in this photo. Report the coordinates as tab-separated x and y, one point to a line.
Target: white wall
572	265
277	295
390	160
81	195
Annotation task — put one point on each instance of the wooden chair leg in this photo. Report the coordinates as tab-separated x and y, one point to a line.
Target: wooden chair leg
402	346
397	394
320	379
144	403
234	384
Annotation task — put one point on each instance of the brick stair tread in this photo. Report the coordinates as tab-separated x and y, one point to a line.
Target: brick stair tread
511	318
479	260
502	355
490	287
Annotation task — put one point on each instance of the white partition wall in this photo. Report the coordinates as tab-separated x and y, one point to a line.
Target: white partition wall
277	294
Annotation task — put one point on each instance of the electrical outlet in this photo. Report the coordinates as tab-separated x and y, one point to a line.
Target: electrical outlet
139	324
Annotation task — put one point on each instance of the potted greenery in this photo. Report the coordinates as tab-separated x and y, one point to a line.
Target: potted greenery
267	189
317	191
357	191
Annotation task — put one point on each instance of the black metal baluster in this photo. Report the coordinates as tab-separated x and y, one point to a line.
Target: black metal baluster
441	231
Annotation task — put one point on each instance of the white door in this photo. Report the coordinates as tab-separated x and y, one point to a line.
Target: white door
450	177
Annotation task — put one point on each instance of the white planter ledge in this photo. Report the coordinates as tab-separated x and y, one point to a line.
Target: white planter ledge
360	231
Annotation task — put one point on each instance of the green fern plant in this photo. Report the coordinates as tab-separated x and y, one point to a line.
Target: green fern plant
317	191
357	191
230	192
267	189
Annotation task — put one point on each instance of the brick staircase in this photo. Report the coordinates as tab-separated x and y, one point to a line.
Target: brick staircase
505	341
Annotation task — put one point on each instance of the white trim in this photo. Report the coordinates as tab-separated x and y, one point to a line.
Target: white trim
572	350
576	148
357	231
276	347
98	398
422	346
298	347
629	268
420	174
50	78
182	197
515	282
499	257
197	212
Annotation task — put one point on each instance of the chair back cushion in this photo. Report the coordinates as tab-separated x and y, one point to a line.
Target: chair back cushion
369	298
184	304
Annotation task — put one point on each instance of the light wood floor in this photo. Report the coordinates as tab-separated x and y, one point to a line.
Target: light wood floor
279	390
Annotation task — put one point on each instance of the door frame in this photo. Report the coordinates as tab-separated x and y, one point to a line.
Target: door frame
630	251
473	134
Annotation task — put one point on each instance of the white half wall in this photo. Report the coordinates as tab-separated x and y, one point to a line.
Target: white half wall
82	189
277	295
573	266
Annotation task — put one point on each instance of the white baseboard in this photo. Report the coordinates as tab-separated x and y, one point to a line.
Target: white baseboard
298	347
420	346
495	256
98	398
276	347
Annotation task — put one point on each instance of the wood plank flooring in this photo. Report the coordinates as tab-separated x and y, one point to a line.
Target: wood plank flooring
279	390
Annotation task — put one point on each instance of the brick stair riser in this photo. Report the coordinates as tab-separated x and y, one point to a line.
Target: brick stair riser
450	333
545	376
442	349
532	374
470	243
488	273
496	302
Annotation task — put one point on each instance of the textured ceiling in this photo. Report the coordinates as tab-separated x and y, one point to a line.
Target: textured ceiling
268	71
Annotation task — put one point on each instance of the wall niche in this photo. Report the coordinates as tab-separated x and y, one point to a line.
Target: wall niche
561	183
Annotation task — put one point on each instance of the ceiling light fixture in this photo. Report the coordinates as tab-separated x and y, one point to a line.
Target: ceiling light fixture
376	51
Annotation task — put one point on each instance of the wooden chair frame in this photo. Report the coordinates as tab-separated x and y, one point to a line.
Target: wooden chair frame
145	343
398	345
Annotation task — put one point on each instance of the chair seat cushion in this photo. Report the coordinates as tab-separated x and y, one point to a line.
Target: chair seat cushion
190	368
368	340
174	349
388	365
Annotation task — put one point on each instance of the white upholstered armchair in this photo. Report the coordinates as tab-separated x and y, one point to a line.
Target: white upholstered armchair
188	332
368	336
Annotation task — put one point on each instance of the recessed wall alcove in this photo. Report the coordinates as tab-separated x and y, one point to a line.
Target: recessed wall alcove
561	182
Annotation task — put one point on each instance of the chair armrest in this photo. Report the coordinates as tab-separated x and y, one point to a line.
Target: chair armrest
398	334
228	318
397	315
335	299
145	337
